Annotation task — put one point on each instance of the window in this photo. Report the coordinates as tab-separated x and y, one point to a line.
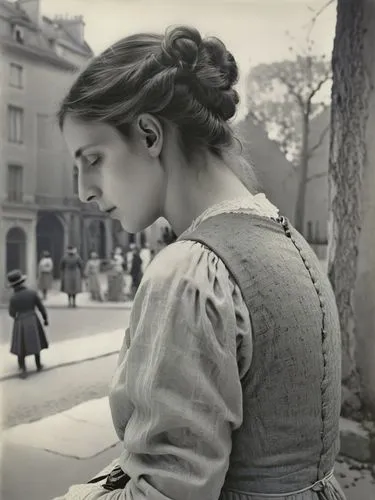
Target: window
18	34
15	124
16	75
15	183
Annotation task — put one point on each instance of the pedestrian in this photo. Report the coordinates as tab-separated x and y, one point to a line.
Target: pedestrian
92	275
228	383
45	274
28	335
72	270
145	255
136	271
116	282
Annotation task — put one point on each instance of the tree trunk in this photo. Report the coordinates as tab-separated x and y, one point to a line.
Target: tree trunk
351	264
299	216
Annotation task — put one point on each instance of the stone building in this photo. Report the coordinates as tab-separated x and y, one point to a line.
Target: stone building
39	206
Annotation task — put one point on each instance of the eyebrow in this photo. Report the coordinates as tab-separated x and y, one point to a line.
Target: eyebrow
79	151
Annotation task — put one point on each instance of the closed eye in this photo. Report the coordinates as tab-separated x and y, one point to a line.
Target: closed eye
93	160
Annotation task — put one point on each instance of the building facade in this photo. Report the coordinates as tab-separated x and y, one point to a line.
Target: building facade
39	205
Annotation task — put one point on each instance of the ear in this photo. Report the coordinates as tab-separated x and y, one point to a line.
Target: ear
151	133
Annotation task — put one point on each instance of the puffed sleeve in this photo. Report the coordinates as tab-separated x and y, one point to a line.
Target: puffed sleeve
176	395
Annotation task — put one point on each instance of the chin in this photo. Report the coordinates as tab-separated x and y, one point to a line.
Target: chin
134	226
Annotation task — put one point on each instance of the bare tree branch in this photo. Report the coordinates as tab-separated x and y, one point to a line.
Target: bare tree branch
314	91
316	16
320	141
317	176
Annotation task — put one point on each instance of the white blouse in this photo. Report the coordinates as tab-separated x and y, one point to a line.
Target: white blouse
176	393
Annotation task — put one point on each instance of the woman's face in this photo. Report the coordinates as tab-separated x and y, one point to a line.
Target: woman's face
121	175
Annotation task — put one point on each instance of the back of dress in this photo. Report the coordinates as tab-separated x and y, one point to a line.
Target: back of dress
289	437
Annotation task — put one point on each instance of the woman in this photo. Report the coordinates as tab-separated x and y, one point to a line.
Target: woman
28	336
72	270
45	274
228	381
92	275
116	281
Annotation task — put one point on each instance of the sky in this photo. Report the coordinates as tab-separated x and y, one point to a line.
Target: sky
253	30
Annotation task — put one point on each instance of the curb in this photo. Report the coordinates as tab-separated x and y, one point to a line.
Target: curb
11	376
106	306
355	441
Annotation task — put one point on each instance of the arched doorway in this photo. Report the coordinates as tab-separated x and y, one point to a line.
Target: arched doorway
16	249
50	237
97	240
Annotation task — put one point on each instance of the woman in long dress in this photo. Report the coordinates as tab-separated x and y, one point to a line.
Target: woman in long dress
115	276
28	335
228	384
45	274
72	270
92	275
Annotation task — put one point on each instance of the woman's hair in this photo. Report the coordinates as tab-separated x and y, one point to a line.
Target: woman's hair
178	77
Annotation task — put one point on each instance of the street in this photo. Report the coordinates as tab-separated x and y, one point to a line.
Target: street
49	393
44	394
72	323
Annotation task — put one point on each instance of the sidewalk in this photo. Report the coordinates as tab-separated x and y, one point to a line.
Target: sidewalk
66	352
52	453
75	445
58	299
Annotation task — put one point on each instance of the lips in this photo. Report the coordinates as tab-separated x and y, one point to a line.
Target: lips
110	210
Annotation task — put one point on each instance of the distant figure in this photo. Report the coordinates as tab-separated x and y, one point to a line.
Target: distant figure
168	236
116	281
92	275
28	335
136	271
71	268
45	274
145	254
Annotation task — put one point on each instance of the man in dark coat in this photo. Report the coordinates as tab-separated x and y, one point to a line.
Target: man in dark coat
136	270
28	336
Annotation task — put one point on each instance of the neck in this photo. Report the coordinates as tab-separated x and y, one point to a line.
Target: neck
194	189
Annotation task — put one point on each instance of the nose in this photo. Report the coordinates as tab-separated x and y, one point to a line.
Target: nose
88	189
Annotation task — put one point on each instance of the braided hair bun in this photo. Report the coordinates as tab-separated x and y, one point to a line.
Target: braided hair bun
211	69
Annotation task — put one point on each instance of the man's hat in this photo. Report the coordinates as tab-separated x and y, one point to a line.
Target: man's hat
15	278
